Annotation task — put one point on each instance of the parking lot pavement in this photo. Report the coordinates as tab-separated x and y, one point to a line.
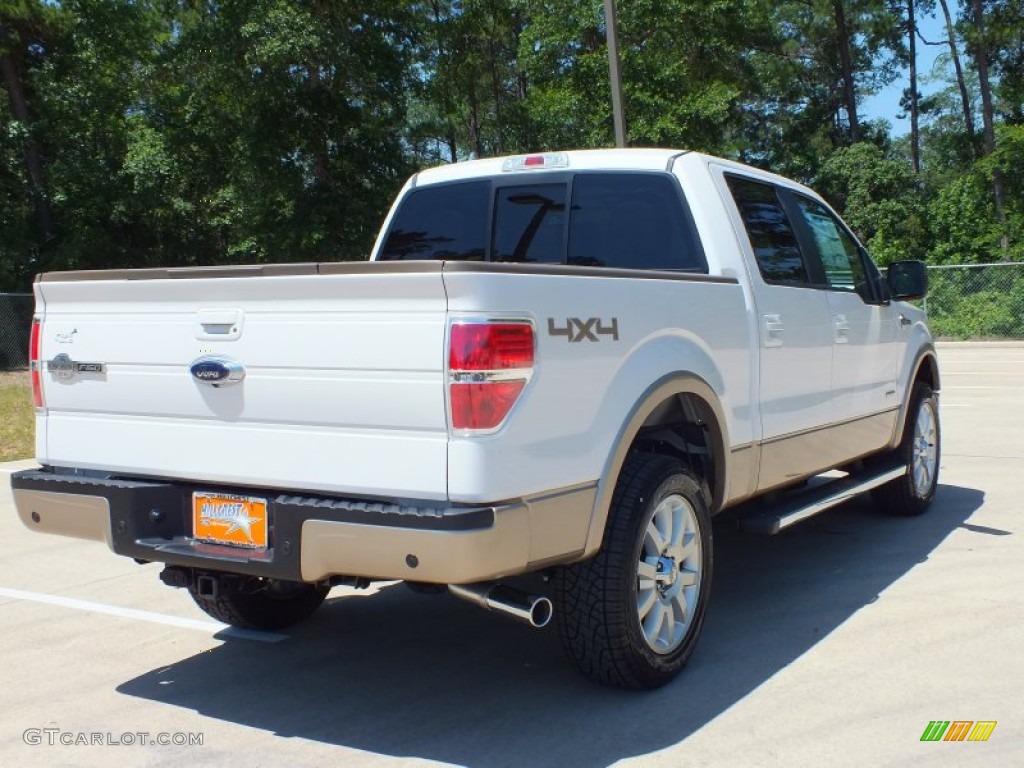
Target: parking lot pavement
835	643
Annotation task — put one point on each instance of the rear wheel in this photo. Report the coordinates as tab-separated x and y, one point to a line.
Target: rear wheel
254	603
920	450
630	616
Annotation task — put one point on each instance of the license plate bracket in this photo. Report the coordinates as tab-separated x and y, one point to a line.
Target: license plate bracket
230	520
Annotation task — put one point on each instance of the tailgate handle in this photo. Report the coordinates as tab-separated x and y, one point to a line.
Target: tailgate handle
218	324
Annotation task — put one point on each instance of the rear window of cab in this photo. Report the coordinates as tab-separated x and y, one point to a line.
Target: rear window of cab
624	220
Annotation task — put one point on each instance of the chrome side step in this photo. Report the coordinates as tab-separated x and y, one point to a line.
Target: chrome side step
817	500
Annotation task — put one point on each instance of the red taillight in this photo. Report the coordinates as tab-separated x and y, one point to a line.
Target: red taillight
488	365
483	406
35	363
533	161
491	346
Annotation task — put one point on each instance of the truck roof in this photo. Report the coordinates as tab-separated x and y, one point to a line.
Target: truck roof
652	159
585	159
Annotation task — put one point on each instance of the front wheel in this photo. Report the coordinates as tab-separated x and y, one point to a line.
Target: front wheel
921	450
630	616
253	603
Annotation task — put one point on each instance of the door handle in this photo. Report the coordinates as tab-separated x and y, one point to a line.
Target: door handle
904	320
773	330
842	329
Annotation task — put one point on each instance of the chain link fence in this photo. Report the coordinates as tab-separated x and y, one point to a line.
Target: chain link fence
976	301
15	328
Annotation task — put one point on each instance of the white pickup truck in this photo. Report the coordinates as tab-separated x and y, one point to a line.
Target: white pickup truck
560	364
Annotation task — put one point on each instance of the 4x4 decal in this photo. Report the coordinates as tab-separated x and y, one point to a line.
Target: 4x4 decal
584	330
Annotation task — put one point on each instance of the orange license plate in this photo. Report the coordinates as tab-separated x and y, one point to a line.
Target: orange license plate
238	521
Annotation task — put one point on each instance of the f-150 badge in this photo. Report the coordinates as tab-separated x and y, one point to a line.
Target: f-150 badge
584	330
65	369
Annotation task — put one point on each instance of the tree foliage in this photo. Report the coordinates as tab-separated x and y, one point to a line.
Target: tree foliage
881	199
179	132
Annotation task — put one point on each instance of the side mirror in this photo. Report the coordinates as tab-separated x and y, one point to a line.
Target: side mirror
908	280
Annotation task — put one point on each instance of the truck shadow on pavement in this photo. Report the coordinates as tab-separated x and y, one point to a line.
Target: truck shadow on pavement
431	677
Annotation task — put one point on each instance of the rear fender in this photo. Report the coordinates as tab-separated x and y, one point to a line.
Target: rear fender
700	378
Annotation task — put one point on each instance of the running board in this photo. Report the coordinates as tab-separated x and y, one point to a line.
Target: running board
817	500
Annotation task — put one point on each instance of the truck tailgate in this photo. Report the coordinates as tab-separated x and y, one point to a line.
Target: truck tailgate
343	389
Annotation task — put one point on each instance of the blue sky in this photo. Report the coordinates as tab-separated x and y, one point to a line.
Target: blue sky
886	103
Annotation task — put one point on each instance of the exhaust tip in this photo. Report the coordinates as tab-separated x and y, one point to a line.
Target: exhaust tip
541	612
535	610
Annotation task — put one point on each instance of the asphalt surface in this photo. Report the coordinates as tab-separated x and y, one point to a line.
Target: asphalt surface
834	643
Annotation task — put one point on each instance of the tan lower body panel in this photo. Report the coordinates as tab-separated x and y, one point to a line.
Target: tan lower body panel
742	472
792	458
539	530
65	514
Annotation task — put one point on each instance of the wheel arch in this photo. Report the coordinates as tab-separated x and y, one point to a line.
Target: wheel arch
928	371
676	399
925	369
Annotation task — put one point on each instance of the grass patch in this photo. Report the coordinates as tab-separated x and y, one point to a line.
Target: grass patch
17	417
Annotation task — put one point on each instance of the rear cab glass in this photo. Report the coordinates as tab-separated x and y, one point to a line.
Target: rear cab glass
615	219
448	221
529	223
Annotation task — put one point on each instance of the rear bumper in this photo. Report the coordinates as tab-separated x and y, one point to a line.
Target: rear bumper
312	537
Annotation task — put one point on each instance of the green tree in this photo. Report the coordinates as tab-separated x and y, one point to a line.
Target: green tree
823	57
1006	29
286	119
29	32
469	96
879	199
687	77
180	132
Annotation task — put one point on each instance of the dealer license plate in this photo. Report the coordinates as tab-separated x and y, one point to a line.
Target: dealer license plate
238	521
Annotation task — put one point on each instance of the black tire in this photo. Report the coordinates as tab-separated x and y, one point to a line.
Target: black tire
252	603
599	601
912	493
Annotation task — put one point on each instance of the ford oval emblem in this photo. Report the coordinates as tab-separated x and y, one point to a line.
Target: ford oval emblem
217	371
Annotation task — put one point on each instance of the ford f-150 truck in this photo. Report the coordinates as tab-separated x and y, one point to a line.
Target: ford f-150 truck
560	364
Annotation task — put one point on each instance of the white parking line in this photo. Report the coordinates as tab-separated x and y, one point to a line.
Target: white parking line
11	467
979	386
212	627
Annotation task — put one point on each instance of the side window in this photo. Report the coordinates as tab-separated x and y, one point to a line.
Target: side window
771	234
440	222
631	221
529	223
840	256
